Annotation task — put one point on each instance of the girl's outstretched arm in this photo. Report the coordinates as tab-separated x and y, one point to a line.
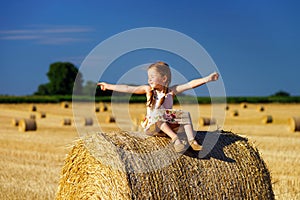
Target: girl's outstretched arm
142	89
195	83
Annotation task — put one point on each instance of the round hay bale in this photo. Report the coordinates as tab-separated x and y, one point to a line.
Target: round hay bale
103	107
267	119
227	107
294	124
64	104
33	108
66	122
110	119
42	115
233	169
260	108
27	125
244	105
32	116
88	121
15	122
235	113
205	121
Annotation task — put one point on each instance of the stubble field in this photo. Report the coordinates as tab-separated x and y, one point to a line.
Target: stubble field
30	162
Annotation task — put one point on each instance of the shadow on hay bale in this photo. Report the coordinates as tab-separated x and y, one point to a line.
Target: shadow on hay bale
101	167
268	119
294	123
15	121
206	121
27	125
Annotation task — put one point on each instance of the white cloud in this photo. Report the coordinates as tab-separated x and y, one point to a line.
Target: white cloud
21	37
47	34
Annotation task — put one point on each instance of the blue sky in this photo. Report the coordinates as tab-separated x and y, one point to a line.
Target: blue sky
255	44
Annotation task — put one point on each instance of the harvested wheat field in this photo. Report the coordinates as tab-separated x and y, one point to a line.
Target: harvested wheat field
32	162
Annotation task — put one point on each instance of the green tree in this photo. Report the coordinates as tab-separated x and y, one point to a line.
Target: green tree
43	89
62	76
281	93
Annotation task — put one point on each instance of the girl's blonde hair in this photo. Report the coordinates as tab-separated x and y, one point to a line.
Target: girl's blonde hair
164	70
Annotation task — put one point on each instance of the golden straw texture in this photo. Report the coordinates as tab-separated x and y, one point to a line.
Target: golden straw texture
124	165
294	124
27	125
205	121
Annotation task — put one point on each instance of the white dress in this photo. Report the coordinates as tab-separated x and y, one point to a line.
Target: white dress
163	113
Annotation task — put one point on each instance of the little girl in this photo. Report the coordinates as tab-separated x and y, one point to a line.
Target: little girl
160	115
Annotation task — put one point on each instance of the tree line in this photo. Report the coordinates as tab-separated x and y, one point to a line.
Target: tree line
62	76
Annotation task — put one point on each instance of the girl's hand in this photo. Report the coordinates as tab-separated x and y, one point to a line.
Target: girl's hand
102	85
213	76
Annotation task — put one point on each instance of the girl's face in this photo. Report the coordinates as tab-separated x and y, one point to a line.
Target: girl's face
156	80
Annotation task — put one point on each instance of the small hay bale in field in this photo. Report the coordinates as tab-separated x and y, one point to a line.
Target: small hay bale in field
294	124
121	165
267	119
66	122
64	104
244	105
110	119
88	121
42	115
32	116
103	107
227	107
260	108
15	122
27	125
205	121
33	108
234	113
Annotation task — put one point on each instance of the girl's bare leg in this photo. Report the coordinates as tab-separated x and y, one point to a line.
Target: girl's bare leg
167	130
189	130
178	145
191	137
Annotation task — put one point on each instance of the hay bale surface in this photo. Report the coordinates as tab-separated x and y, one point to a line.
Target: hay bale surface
232	170
32	116
267	119
66	122
294	123
205	121
15	122
103	107
110	119
244	105
261	108
64	105
136	124
27	125
33	108
42	115
88	121
235	113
